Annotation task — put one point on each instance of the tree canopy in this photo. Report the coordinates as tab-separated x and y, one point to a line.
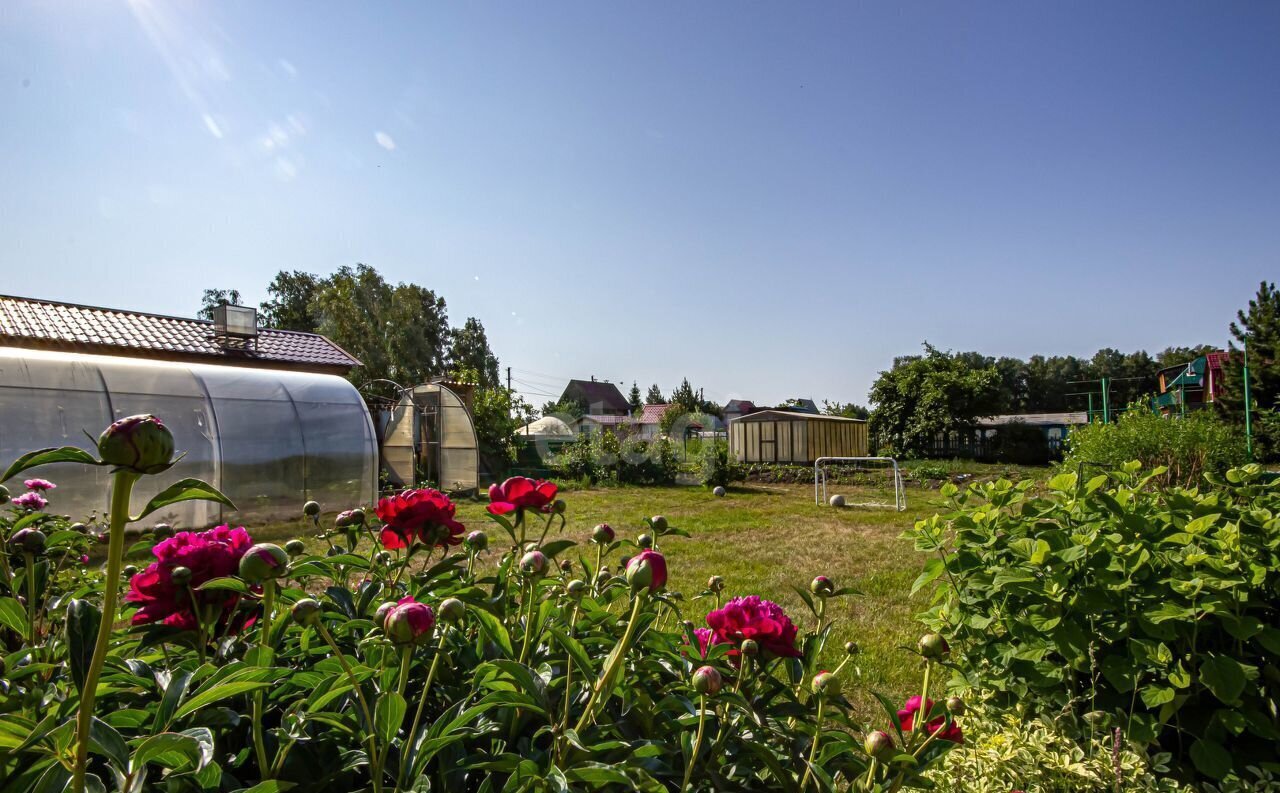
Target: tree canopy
1256	329
925	396
212	298
469	355
655	397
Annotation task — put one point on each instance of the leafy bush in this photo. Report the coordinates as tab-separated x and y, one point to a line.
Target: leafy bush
599	457
407	658
1004	752
718	469
1186	447
1106	602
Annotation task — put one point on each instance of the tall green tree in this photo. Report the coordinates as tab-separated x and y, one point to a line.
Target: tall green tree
497	414
469	353
400	332
655	397
685	398
212	298
1258	329
291	302
924	397
633	398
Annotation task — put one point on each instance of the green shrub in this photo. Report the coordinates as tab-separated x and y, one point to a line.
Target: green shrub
1187	447
718	469
1106	602
1003	752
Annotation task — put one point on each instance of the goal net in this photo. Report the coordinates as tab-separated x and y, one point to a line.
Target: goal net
862	481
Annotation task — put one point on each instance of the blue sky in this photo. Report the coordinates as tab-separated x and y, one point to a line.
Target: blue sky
771	199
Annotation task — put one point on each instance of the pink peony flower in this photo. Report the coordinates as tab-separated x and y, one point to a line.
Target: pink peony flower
425	514
410	622
207	554
755	618
657	564
39	484
907	717
519	493
32	501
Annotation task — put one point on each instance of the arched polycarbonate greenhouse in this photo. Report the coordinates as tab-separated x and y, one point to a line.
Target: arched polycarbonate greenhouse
261	415
269	439
428	435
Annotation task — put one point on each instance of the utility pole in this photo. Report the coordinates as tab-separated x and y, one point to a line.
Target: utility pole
1106	408
508	379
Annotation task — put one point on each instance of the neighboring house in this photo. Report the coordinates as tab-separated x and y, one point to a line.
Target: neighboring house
590	424
738	407
649	420
800	406
600	397
1192	385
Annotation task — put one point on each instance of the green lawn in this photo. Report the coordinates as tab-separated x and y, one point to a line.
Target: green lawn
765	539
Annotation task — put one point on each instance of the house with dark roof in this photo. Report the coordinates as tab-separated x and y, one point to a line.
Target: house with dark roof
66	327
597	397
1192	385
735	408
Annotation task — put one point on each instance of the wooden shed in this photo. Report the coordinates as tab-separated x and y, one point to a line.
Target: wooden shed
780	436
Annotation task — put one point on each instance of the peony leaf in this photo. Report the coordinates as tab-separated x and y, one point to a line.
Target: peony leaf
217	694
1210	758
227	584
184	490
389	715
13	616
65	454
104	740
171	750
83	620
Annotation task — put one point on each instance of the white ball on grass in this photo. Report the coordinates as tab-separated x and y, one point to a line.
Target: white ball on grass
837	500
719	492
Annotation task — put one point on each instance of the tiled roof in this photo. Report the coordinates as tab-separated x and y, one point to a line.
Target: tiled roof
653	414
26	322
607	419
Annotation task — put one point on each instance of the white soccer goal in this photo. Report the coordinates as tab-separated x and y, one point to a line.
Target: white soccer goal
893	477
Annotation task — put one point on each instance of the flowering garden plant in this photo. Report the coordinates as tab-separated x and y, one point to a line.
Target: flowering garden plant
410	655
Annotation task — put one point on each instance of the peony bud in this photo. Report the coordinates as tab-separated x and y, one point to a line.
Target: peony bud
879	745
341	520
336	550
477	541
4	495
602	534
822	586
380	616
576	588
452	610
648	569
749	648
852	648
180	576
645	541
141	444
658	523
707	680
79	528
825	684
534	564
263	561
129	571
956	706
409	623
566	566
382	558
307	611
311	509
933	646
28	541
715	583
162	531
603	577
559	506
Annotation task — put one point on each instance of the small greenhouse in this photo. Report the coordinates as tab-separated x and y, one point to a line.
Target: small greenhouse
426	434
269	437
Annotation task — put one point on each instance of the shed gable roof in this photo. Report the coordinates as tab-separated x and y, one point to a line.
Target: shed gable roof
48	324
